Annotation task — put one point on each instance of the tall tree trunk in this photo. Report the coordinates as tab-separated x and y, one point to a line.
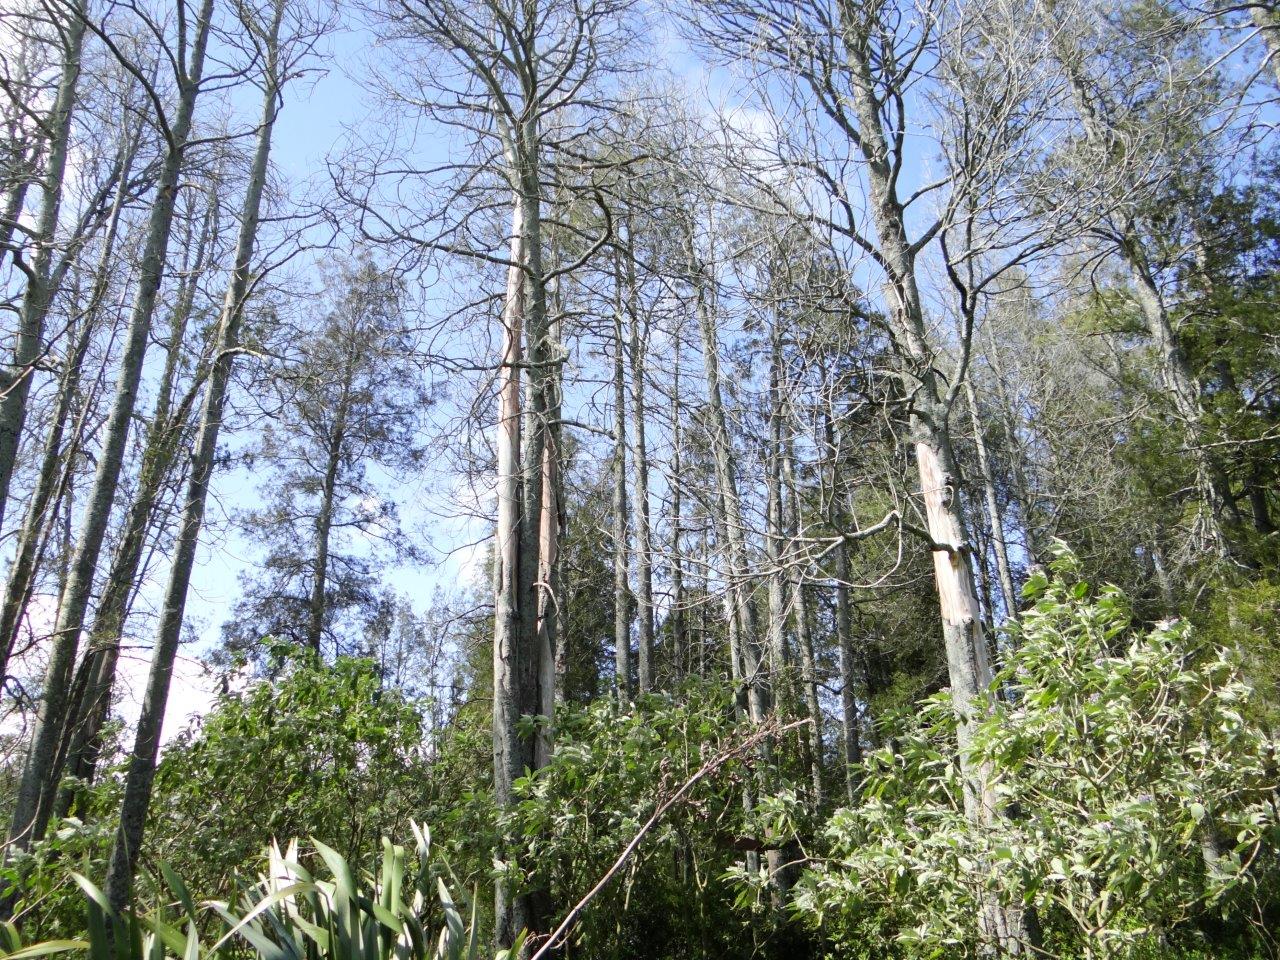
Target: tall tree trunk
507	766
804	641
22	571
1000	548
26	826
676	617
15	378
850	738
621	526
142	761
317	603
780	857
1020	488
552	623
644	533
1002	929
88	708
523	664
748	668
49	482
775	536
550	598
729	503
537	659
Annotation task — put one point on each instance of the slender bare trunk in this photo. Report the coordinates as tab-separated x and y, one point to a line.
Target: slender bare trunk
850	737
507	765
1001	929
1020	488
779	653
737	585
1000	547
15	377
19	584
523	663
804	641
142	761
621	525
26	826
317	602
644	533
550	598
680	644
88	708
782	854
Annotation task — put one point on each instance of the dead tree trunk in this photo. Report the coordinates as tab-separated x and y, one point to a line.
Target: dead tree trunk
22	571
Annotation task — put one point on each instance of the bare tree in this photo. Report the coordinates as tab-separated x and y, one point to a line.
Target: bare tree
188	52
15	379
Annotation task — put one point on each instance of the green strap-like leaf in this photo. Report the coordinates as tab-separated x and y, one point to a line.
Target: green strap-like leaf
46	948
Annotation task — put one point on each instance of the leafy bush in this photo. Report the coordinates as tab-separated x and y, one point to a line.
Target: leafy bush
319	750
613	764
1136	794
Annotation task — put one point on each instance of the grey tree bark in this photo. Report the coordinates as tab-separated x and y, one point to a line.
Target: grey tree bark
640	493
850	722
992	503
728	502
775	534
23	567
804	641
89	706
523	662
26	825
1003	929
676	617
142	760
621	522
507	765
553	521
317	605
15	377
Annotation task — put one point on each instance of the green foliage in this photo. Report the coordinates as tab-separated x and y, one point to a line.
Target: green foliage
346	411
612	766
289	913
1246	619
48	903
1135	793
322	751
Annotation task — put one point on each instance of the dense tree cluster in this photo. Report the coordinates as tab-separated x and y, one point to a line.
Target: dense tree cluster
856	423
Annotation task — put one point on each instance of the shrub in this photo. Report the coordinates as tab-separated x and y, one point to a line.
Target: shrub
1136	794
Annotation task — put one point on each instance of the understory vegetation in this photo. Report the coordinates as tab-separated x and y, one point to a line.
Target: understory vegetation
1131	766
640	479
